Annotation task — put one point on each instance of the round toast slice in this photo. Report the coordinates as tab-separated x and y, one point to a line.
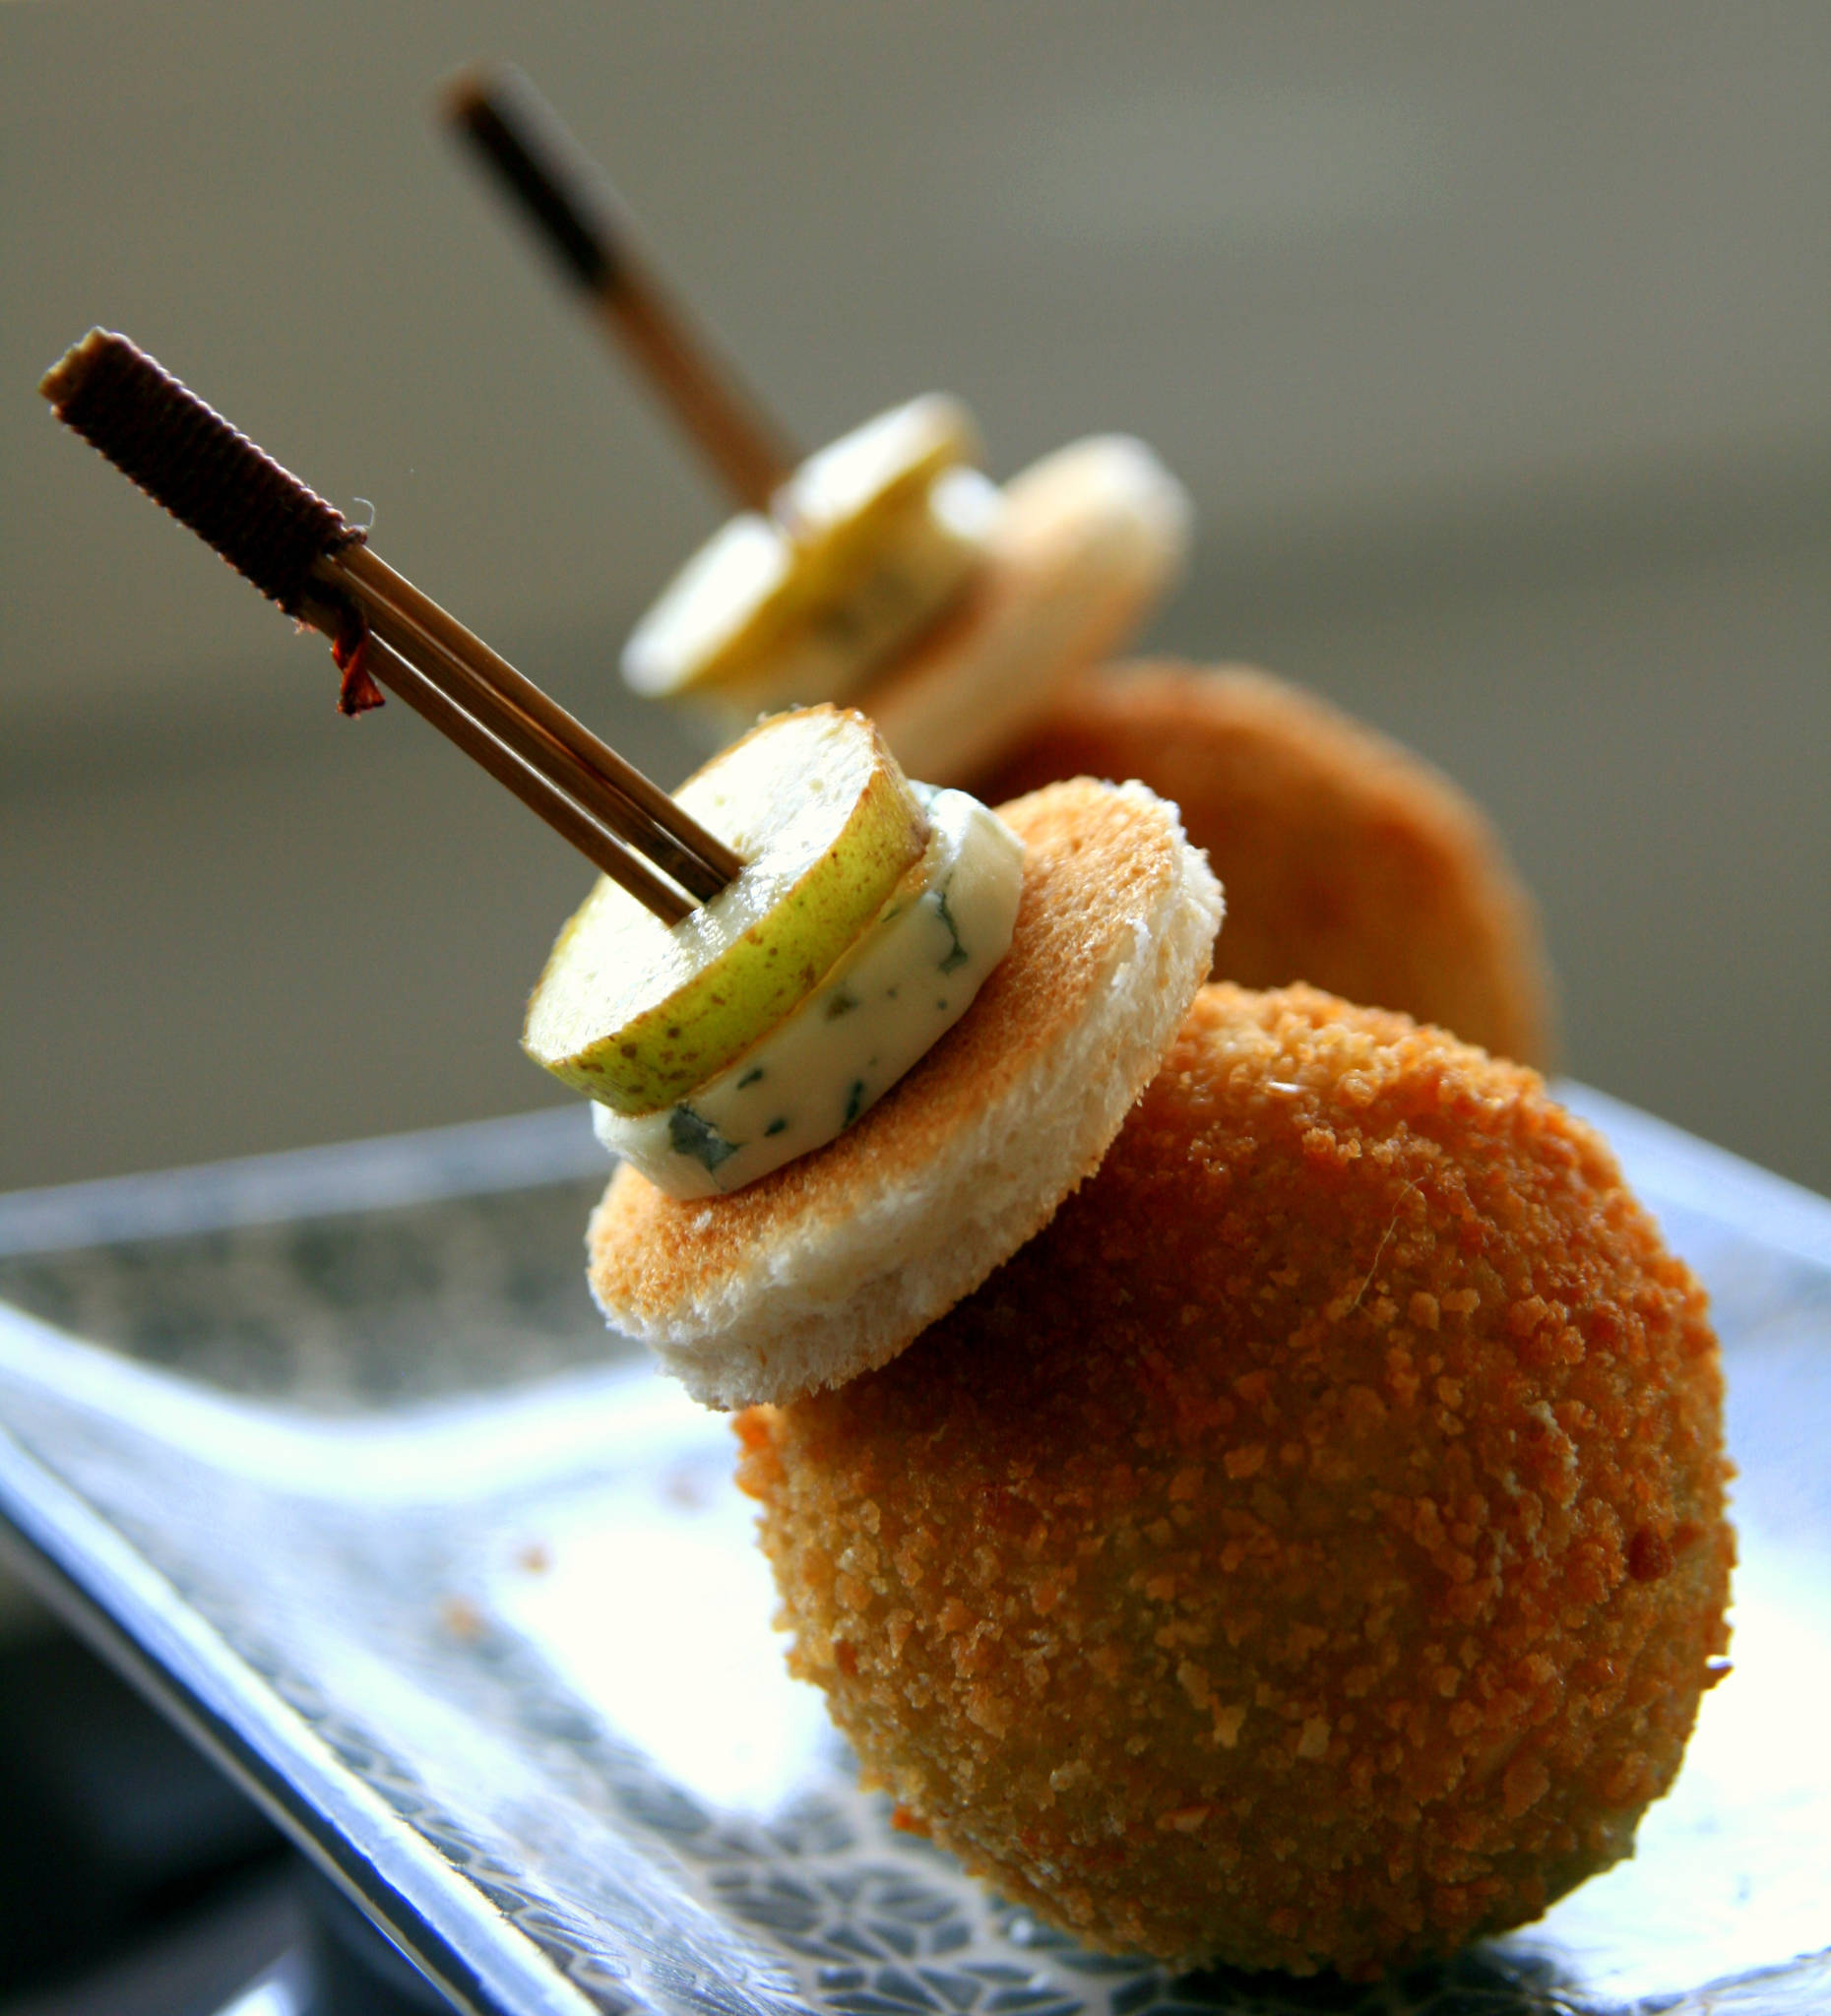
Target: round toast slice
1090	539
832	1265
1087	539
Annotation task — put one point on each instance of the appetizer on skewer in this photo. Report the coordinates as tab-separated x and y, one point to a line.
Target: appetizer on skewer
887	572
1304	1545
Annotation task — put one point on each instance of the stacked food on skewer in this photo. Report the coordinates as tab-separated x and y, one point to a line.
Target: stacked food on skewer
974	623
1245	1472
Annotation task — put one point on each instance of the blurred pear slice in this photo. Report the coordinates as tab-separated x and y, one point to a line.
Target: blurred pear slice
865	543
636	1013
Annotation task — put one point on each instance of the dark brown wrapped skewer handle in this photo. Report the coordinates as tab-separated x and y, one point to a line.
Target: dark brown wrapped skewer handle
563	196
304	554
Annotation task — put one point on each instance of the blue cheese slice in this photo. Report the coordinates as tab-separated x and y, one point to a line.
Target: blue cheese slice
900	989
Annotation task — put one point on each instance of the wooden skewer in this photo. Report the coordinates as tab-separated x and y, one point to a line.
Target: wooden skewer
304	554
520	138
614	791
405	680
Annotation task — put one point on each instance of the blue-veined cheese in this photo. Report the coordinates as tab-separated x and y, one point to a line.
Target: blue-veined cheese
905	981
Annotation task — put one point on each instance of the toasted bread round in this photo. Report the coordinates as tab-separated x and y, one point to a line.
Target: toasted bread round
1349	862
832	1264
1089	538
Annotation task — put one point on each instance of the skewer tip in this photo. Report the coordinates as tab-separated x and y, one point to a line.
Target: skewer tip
465	98
65	380
510	126
517	132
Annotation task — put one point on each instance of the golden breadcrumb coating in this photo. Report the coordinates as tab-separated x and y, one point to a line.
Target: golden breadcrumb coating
1348	861
1306	1552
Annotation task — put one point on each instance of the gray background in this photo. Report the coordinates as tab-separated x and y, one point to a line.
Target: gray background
1494	345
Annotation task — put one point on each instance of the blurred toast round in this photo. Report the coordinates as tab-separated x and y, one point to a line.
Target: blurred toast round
1089	538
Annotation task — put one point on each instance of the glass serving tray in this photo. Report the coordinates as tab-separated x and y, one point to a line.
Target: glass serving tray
330	1454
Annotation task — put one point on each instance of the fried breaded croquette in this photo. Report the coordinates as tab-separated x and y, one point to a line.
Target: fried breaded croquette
1309	1551
1348	861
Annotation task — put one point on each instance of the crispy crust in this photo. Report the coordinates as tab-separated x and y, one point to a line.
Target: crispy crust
1309	1551
834	1261
1349	862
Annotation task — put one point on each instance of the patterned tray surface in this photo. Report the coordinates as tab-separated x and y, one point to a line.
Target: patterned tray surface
366	1497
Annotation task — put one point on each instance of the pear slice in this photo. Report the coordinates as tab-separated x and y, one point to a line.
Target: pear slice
866	543
636	1013
897	990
